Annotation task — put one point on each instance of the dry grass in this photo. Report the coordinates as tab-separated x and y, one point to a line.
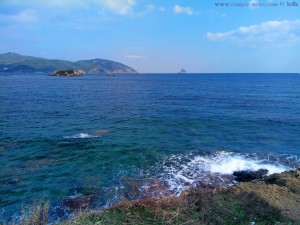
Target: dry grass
201	205
146	211
36	214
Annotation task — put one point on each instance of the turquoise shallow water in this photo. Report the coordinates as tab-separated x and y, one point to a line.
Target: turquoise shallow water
64	136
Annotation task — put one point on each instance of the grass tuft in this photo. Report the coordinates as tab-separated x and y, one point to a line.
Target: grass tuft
36	214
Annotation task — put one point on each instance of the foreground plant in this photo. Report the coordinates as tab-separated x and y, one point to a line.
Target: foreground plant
36	214
201	205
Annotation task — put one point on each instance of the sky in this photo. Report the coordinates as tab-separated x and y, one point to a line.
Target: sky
158	36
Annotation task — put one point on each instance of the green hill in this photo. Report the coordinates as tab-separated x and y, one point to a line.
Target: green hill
13	62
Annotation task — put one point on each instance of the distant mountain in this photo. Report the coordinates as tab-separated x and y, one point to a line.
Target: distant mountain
13	62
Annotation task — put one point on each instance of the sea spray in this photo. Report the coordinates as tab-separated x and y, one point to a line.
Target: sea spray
182	171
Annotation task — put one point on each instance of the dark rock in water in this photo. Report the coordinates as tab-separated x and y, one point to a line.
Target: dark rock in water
80	202
247	175
14	181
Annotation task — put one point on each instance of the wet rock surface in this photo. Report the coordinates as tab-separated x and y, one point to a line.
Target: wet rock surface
79	202
248	175
279	190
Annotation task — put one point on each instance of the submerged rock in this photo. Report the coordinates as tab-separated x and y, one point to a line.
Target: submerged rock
14	181
248	175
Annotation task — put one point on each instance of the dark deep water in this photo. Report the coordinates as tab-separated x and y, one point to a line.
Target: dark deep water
64	136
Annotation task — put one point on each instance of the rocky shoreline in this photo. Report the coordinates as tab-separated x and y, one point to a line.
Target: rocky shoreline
261	199
275	197
281	191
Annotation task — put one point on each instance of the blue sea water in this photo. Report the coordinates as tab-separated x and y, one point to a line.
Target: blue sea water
114	136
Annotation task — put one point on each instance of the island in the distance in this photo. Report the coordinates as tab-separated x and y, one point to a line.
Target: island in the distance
68	73
182	71
15	63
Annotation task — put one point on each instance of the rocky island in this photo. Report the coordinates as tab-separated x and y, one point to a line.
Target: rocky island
68	73
182	71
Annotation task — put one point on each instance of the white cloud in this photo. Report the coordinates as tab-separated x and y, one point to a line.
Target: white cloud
119	7
179	9
26	16
268	34
134	57
125	7
218	36
122	7
148	9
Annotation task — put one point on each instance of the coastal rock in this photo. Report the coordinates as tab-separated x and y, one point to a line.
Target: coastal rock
279	190
78	202
289	179
248	175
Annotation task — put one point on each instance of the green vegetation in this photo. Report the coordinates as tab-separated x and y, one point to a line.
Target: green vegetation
202	205
64	72
13	62
199	206
270	200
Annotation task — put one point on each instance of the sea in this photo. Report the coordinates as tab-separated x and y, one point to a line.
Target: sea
141	135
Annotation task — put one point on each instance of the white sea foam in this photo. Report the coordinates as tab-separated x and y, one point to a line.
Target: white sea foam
182	171
81	135
227	163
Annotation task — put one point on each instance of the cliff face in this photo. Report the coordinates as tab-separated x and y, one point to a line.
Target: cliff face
13	62
281	191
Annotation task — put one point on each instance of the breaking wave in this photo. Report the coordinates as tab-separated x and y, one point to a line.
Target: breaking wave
182	171
81	135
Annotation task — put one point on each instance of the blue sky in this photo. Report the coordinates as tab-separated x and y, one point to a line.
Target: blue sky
157	36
